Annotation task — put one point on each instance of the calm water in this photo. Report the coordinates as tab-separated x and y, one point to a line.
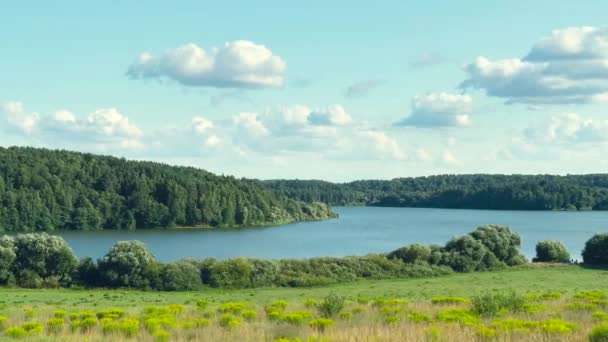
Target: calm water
358	231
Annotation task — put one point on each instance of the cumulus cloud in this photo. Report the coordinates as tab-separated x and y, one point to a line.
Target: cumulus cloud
568	66
362	88
383	145
250	124
237	64
439	110
102	127
568	128
334	115
18	118
299	119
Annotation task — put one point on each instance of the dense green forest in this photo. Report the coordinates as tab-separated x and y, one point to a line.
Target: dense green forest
517	192
45	190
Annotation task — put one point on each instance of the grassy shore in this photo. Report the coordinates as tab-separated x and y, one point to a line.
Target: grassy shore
363	320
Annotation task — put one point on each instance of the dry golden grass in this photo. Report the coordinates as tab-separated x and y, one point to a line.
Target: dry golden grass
376	320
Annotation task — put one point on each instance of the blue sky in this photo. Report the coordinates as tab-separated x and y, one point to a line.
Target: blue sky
273	89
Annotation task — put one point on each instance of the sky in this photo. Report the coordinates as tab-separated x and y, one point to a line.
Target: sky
312	90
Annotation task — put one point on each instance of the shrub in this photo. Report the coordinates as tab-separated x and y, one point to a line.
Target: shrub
450	300
277	305
590	295
128	264
311	303
294	319
419	317
501	242
331	305
229	321
59	314
263	272
249	315
599	334
231	273
346	316
15	332
577	306
557	326
7	257
179	276
596	250
515	325
491	303
40	256
460	316
202	322
551	251
87	273
111	313
109	326
232	307
202	304
129	327
600	316
55	325
161	336
411	254
466	254
321	324
32	328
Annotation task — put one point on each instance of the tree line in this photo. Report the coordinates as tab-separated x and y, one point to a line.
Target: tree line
46	190
37	260
478	191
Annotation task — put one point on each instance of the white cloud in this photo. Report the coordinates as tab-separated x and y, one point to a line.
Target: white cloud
201	125
103	127
212	140
362	88
238	64
383	145
18	118
439	110
568	66
334	115
568	128
250	124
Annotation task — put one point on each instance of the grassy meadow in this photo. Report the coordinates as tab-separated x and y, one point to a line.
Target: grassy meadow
550	303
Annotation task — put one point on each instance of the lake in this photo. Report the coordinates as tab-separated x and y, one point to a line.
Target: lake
358	231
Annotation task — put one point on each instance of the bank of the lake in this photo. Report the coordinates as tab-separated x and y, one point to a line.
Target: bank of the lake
358	231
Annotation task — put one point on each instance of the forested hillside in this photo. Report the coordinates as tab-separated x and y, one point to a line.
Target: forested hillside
521	192
44	190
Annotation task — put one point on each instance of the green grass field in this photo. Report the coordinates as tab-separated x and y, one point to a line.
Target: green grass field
554	278
387	322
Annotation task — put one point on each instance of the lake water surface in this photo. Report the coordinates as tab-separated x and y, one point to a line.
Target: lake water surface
358	231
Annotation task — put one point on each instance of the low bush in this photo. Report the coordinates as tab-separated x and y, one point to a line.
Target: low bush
599	334
460	316
491	303
229	321
321	324
596	250
331	305
551	251
450	300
